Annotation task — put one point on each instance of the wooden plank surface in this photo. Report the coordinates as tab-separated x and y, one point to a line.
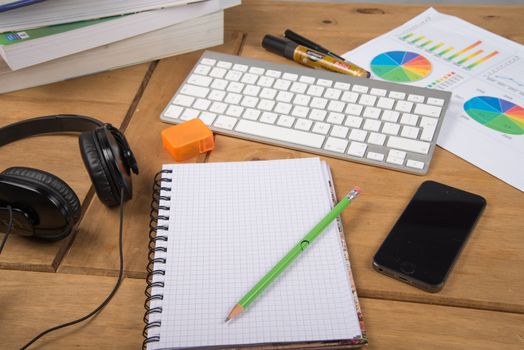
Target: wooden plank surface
105	96
95	247
32	302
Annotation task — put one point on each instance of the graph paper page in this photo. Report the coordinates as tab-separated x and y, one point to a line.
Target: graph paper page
229	224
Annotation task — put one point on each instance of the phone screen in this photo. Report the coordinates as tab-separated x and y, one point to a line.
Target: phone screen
429	235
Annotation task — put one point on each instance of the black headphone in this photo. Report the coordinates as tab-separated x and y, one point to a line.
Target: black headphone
44	206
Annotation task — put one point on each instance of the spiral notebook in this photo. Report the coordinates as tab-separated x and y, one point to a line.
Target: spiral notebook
217	228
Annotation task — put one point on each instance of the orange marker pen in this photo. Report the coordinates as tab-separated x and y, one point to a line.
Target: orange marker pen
310	57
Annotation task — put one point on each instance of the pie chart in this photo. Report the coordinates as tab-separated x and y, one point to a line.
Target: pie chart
497	114
401	66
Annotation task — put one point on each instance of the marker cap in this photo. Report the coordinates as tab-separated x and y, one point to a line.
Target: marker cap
280	46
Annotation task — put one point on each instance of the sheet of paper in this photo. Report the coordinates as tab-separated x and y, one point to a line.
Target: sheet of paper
485	72
229	224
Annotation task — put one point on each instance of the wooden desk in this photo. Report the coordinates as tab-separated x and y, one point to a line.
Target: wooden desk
480	307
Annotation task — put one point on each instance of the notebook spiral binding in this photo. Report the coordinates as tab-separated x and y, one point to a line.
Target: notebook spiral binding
158	229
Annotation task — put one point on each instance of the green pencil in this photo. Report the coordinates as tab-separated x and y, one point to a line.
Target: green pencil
292	255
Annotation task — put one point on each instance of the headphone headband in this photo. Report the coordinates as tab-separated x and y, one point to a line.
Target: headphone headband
47	124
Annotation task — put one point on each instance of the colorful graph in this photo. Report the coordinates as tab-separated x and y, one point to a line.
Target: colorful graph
401	66
459	57
497	114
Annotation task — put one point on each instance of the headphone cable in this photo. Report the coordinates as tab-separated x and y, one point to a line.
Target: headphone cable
109	297
9	228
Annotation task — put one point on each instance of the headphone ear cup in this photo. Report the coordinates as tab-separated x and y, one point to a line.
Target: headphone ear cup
97	169
59	188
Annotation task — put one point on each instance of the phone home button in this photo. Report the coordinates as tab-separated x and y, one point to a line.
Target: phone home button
407	267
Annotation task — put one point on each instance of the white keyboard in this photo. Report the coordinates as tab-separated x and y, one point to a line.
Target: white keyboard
368	121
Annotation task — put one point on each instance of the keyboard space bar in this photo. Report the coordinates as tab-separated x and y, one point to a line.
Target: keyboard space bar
278	133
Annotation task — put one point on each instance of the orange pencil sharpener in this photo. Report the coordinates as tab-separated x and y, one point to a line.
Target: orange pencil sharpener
189	139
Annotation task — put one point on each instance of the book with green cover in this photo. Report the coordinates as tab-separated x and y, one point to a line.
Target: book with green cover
10	38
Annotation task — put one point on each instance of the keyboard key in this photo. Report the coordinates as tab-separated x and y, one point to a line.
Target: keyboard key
354	109
360	88
202	69
251	90
303	124
208	61
376	139
430	111
251	114
257	70
336	106
224	122
265	81
279	133
218	107
223	64
429	126
183	100
390	128
321	128
358	135
266	105
199	80
283	108
249	101
174	111
285	120
315	90
339	131
396	157
375	156
234	111
408	145
240	67
273	73
342	86
302	100
416	98
233	75
398	95
333	94
268	93
390	116
196	91
372	125
235	87
335	118
285	96
435	101
217	72
219	84
357	149
353	121
378	92
290	76
282	84
415	164
385	102
233	98
207	117
307	79
249	78
300	111
367	100
201	103
268	117
409	119
189	113
318	102
410	132
404	106
349	96
325	82
217	95
371	112
299	88
318	114
336	145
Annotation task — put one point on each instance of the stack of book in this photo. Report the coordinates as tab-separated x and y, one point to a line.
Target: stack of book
43	41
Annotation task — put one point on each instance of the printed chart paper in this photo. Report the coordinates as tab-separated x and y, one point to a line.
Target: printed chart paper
485	72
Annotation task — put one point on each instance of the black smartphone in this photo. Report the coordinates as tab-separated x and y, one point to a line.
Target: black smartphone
425	242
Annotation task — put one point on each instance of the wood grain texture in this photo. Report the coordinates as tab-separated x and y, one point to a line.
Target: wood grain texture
95	248
32	302
105	96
